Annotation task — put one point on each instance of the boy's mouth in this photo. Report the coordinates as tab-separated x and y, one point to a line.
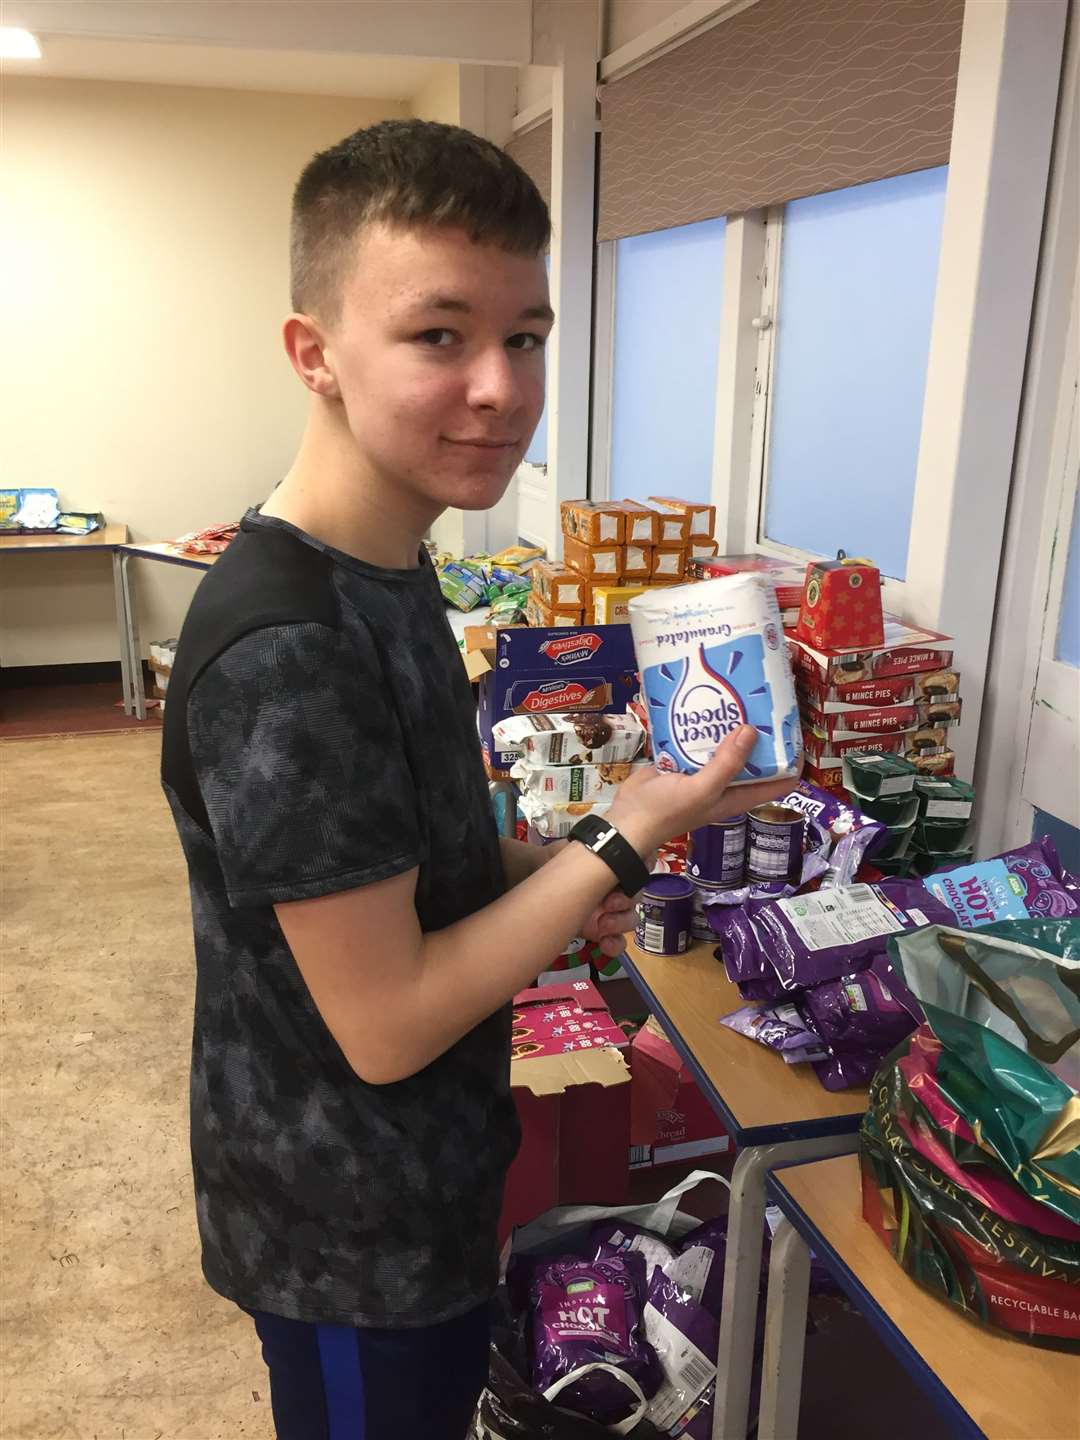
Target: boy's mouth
479	443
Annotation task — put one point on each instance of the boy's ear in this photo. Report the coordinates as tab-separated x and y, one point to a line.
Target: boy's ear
305	347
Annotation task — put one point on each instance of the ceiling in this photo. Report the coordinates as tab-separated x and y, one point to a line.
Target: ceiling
303	72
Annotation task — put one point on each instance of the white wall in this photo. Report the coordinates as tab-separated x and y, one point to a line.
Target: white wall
143	372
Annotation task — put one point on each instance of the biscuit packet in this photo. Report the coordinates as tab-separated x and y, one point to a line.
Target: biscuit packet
567	784
572	738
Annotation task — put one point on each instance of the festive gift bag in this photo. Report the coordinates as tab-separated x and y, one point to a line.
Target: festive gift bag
971	1145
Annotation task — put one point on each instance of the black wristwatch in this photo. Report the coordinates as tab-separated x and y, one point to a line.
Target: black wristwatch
615	850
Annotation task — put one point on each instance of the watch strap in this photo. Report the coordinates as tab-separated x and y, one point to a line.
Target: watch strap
603	839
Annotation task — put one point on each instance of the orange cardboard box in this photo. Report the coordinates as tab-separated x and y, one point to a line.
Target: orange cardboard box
668	564
539	614
638	562
560	589
594	523
595	562
672	527
702	517
642	523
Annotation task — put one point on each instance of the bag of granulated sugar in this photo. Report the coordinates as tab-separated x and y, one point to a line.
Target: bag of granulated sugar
712	657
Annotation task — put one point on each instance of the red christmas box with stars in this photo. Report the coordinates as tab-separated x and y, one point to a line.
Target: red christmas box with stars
841	605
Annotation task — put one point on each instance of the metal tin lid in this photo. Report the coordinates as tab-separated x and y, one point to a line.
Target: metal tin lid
668	887
774	814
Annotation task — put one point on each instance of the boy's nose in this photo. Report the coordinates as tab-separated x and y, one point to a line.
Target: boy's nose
493	384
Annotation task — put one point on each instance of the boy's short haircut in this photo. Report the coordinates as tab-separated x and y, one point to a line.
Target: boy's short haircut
407	172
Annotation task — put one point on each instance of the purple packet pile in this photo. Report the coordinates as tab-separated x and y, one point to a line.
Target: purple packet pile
685	1336
781	1028
611	1238
740	949
853	835
812	938
861	1017
584	1312
1021	884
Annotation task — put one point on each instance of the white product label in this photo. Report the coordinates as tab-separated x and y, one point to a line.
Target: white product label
687	1370
635	558
839	917
690	1270
608	527
855	996
667	562
948	809
567	594
603	564
899	785
920	919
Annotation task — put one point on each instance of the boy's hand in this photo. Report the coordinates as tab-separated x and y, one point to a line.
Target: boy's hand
609	923
652	808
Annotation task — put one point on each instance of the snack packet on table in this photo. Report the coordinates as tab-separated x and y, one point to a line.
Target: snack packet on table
573	738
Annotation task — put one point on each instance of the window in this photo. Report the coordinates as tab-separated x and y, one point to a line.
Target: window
668	288
857	275
1068	635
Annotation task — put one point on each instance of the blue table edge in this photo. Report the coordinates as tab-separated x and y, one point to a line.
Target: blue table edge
886	1328
743	1136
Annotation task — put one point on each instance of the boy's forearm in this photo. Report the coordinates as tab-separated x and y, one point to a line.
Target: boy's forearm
471	968
521	860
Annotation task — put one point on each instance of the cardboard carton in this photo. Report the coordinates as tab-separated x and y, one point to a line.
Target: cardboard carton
670	1119
574	1108
553	670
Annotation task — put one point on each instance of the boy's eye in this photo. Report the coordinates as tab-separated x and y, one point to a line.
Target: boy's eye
438	338
526	341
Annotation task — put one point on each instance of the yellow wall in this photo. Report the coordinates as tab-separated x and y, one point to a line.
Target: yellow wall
146	277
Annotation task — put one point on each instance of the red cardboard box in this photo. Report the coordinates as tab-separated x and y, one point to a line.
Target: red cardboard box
670	1119
905	650
574	1108
841	606
787	579
863	720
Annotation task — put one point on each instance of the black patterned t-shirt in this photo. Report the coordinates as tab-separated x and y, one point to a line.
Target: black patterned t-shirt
320	734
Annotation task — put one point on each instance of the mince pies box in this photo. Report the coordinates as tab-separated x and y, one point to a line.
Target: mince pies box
670	1119
904	651
573	1105
554	671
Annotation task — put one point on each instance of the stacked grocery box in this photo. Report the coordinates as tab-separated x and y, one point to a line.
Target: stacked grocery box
785	577
928	816
901	699
612	552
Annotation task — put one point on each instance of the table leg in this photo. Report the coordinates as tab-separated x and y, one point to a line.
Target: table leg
138	690
742	1272
122	631
785	1335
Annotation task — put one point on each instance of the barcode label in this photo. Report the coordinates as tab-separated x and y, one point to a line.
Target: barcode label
652	937
640	1155
697	1371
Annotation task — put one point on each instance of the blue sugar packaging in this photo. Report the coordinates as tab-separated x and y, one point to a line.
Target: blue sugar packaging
712	657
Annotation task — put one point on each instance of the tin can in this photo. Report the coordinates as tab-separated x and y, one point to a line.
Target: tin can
665	913
775	844
717	853
703	895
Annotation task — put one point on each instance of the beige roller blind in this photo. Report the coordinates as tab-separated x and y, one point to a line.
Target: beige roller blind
789	98
532	151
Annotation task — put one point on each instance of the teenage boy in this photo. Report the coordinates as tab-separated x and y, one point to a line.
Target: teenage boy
359	926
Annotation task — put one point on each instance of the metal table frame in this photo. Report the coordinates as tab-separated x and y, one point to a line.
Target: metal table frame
131	669
761	1148
785	1326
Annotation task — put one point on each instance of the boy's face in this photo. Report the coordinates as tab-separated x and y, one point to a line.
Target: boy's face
438	354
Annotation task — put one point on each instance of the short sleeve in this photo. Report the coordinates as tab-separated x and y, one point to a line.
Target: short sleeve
300	762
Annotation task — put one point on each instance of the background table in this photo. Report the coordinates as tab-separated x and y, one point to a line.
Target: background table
774	1113
130	649
985	1383
109	537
